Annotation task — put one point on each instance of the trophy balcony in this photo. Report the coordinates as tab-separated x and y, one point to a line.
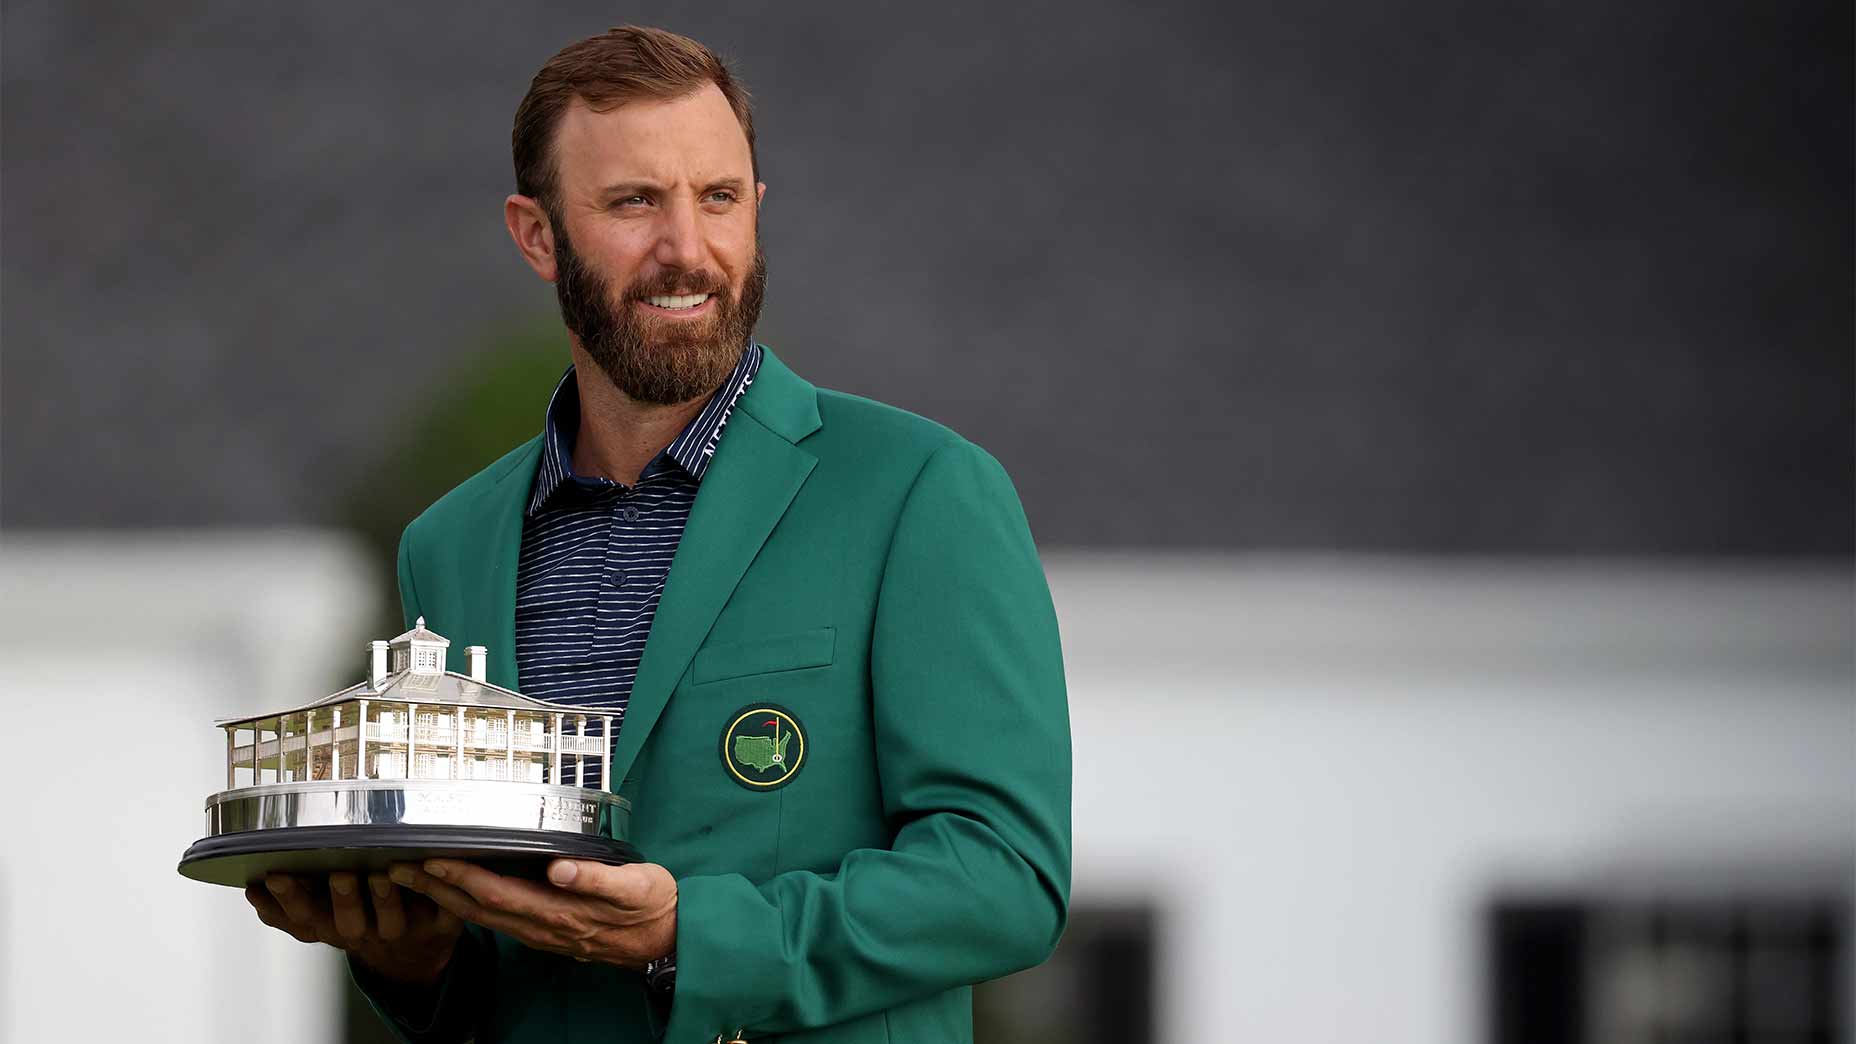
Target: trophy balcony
425	737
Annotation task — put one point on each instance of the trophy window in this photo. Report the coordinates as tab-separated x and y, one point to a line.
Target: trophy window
241	769
485	732
386	722
290	748
267	752
294	748
319	725
433	726
348	759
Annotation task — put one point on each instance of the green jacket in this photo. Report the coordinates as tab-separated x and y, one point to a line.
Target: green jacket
872	573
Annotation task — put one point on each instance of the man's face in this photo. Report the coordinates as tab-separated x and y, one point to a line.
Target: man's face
655	217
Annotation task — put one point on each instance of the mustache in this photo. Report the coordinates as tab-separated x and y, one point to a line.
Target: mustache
676	283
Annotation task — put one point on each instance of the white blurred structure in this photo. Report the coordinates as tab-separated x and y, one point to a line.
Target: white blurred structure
143	640
1318	771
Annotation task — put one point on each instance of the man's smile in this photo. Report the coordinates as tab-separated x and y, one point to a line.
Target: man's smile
681	306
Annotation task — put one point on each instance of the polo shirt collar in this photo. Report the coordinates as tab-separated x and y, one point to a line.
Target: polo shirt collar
691	450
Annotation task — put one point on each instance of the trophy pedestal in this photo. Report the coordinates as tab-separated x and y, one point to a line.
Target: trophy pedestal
365	825
244	858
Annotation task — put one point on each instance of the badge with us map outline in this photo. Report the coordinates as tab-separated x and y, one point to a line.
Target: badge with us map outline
763	746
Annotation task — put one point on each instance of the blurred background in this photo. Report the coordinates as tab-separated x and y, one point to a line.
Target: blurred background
1438	419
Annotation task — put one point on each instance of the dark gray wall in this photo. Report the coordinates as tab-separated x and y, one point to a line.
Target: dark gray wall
1446	276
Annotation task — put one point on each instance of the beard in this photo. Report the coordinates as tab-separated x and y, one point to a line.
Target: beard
665	362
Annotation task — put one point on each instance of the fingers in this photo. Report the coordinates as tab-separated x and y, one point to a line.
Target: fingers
411	927
494	891
300	906
425	917
272	914
620	915
389	912
448	897
463	904
350	911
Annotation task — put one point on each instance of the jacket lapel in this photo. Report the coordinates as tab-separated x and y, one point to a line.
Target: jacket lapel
486	570
756	472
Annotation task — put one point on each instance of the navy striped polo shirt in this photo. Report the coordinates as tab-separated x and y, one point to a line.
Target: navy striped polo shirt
595	556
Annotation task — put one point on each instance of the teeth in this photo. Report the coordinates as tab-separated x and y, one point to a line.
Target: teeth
678	300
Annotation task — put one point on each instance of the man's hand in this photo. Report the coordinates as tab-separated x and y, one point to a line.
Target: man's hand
623	915
407	940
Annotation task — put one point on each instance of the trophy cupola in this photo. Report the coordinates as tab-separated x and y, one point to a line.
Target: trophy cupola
418	650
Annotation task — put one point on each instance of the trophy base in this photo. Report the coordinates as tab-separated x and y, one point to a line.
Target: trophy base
243	858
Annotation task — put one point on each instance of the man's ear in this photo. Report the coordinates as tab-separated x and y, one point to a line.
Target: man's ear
760	193
533	233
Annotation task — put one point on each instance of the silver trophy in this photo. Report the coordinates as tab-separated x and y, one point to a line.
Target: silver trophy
413	763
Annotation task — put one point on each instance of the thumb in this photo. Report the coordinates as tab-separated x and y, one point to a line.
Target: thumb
586	877
562	873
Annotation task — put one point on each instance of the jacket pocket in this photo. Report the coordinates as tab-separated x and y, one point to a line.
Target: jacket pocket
780	652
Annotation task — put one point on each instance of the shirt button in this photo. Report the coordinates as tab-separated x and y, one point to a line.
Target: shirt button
630	514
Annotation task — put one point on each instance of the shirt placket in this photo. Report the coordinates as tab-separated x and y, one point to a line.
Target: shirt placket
611	610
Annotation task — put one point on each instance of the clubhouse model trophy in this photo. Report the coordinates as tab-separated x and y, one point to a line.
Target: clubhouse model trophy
413	763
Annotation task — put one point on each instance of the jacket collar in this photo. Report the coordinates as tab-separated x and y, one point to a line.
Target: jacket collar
753	475
691	450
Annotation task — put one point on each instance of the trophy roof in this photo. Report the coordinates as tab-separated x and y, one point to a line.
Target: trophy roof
448	689
420	633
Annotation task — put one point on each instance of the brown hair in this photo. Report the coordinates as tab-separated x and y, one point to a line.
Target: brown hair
621	64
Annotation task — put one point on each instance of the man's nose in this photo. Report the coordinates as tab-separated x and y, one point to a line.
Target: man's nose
679	240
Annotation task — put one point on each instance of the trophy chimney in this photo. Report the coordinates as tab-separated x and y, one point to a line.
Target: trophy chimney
376	664
475	656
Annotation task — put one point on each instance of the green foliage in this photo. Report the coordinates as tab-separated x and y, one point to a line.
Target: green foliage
474	413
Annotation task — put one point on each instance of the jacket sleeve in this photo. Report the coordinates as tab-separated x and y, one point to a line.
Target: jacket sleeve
450	1010
972	742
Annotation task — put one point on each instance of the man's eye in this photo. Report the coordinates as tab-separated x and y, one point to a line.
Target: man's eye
723	194
629	200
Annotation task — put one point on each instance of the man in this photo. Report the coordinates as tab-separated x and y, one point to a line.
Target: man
845	740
